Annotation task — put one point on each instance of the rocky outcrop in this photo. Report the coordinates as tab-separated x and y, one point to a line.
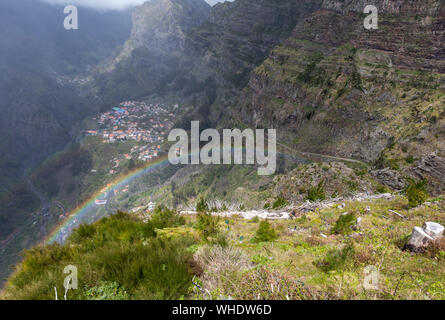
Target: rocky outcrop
432	168
390	178
422	237
154	59
161	26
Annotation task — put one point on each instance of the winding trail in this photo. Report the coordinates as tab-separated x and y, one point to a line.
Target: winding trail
319	155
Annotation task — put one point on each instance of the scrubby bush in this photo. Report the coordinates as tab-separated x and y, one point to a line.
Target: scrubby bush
207	224
165	218
344	224
416	193
336	259
382	189
316	193
280	202
202	206
265	233
114	253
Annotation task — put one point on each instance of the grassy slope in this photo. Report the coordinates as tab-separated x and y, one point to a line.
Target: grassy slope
108	255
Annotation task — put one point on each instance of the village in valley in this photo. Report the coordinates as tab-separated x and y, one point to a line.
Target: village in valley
146	123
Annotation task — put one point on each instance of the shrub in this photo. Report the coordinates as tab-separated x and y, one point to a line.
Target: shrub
416	193
280	202
260	259
165	218
344	224
207	224
316	193
336	259
255	219
265	233
410	159
114	253
382	189
202	206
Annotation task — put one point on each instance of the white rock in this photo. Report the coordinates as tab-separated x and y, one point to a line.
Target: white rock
419	240
433	229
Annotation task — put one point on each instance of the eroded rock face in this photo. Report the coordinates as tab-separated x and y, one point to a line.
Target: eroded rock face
390	178
432	168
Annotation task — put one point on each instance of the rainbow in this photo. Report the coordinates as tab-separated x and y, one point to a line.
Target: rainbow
84	208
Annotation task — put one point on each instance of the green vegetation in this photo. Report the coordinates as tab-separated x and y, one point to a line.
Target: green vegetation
279	203
344	224
316	193
265	233
336	259
202	206
117	257
417	193
208	225
382	189
165	218
106	291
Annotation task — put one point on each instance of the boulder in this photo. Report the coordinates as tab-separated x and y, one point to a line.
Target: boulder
434	230
419	240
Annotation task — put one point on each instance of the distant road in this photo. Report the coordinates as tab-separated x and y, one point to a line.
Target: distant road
312	154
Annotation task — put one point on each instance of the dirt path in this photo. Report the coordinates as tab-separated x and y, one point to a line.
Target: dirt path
319	155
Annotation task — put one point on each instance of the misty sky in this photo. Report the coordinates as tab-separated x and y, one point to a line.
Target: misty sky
108	4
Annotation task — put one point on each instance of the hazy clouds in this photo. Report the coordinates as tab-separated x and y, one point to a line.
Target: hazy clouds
107	4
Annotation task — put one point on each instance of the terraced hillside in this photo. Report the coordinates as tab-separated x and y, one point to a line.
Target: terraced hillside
377	95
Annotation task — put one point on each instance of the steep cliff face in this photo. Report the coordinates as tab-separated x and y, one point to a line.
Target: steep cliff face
173	50
237	37
336	88
161	26
154	56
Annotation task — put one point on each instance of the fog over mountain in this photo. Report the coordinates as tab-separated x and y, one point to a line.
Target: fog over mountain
108	4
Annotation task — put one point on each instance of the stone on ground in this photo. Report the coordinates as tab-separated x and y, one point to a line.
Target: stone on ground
433	229
419	240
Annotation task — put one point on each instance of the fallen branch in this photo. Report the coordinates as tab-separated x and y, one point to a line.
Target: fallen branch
398	214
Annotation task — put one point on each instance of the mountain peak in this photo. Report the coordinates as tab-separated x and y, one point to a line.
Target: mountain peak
161	25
